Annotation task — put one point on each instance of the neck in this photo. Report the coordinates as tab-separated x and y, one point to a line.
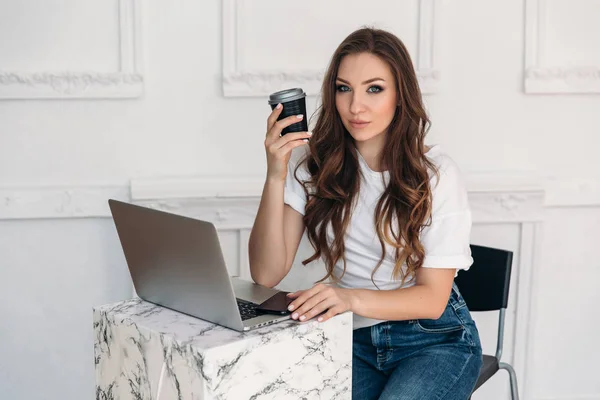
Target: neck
371	151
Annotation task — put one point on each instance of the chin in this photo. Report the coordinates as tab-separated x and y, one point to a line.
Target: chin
362	136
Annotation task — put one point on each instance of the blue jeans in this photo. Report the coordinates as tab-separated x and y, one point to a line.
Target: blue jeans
421	359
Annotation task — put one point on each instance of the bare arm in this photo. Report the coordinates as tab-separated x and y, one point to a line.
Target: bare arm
427	299
278	228
275	237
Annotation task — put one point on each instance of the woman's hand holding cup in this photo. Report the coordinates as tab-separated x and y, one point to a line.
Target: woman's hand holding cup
279	148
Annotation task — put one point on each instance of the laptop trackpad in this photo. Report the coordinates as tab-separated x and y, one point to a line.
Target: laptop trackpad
250	291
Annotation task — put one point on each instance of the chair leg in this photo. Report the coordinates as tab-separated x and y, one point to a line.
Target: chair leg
514	391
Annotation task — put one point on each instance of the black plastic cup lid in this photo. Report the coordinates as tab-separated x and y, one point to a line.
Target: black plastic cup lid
284	96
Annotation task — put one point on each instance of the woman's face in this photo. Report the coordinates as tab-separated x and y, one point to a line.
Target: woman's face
366	96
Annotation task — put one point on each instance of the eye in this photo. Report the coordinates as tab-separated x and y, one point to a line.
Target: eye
342	88
376	89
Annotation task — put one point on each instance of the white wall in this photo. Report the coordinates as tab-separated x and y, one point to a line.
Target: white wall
163	114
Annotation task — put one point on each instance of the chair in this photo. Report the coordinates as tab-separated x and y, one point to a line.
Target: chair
485	287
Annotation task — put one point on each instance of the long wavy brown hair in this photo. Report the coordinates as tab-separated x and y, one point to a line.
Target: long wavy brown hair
332	161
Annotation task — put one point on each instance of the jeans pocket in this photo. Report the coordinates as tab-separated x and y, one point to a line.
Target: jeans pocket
448	322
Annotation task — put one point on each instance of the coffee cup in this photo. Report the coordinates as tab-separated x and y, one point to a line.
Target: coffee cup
294	103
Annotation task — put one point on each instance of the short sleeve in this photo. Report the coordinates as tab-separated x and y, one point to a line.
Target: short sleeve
293	194
447	239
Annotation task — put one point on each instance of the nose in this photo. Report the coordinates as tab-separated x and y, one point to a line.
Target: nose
356	103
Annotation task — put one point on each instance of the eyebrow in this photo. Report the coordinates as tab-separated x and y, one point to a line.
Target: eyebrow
365	82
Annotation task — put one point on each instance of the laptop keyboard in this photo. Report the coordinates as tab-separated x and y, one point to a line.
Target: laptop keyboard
247	309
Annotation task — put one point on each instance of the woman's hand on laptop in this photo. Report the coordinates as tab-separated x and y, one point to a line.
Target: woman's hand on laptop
320	299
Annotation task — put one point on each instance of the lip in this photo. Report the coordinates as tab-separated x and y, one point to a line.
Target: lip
358	124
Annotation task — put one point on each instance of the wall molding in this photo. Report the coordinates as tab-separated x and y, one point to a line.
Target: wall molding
232	213
562	80
240	83
564	192
59	202
224	213
541	78
511	191
493	197
127	82
197	187
232	202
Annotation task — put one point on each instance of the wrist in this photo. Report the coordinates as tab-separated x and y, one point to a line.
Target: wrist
275	181
353	299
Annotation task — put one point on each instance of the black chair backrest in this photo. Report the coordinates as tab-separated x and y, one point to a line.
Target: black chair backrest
485	285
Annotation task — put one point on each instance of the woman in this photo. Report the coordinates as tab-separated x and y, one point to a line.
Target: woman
389	217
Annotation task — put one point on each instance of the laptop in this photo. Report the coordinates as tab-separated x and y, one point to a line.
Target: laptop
177	262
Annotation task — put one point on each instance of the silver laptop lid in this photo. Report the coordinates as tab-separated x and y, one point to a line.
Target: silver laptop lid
176	262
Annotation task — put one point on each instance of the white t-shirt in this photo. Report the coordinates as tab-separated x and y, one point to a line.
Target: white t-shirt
446	240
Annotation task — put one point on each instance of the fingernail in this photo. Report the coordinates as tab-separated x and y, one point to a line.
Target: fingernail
295	315
300	116
278	106
302	318
309	133
291	307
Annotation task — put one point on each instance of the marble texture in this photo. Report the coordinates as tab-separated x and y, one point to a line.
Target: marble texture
143	351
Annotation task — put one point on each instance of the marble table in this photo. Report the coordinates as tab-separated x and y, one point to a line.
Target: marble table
143	351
